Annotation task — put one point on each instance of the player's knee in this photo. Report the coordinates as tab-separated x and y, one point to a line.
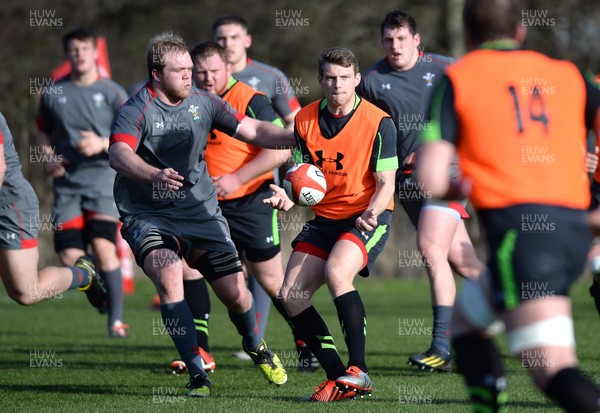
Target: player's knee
465	262
22	297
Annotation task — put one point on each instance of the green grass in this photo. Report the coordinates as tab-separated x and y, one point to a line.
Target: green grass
83	370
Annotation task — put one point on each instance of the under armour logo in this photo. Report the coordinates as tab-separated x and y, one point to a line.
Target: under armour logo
338	158
385	86
269	239
159	125
11	235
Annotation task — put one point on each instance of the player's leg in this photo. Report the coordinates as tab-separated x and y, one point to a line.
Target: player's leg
68	222
540	332
157	252
477	358
19	258
594	260
196	296
101	231
435	232
267	266
354	252
303	277
223	270
26	285
462	256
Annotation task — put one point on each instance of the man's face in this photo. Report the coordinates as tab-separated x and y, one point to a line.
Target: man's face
176	77
212	73
401	47
338	84
82	55
235	39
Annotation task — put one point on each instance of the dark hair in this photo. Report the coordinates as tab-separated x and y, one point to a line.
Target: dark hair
230	19
398	18
338	56
207	49
160	45
81	33
487	20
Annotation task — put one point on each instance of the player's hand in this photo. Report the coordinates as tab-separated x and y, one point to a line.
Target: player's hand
55	166
591	161
367	221
168	178
226	184
279	200
90	143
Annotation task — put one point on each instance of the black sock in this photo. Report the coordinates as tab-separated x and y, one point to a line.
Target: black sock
479	362
178	322
197	298
278	304
247	327
311	328
352	316
113	280
573	391
442	318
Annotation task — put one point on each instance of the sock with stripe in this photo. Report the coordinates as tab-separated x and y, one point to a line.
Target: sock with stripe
478	360
113	280
573	391
311	328
198	300
246	326
179	323
442	318
352	317
81	277
262	304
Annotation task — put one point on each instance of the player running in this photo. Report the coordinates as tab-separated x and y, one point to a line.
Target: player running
402	84
494	109
19	254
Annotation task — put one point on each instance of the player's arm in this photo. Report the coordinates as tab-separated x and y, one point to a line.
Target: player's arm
53	164
264	134
91	143
246	129
384	163
125	161
266	160
439	148
285	102
2	162
127	126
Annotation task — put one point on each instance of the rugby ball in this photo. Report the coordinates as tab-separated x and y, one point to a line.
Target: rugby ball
305	184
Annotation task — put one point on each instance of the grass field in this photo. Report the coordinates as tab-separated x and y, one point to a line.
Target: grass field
55	356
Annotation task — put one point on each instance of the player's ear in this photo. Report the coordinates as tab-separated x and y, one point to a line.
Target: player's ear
357	79
155	75
248	41
417	38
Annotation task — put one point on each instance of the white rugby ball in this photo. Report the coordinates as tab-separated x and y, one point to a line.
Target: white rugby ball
305	184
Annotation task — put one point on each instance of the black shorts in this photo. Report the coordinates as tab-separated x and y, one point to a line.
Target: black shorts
535	251
320	235
253	224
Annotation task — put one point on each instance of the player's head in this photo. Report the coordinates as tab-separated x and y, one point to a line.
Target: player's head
400	40
212	71
231	32
80	48
169	65
338	75
489	20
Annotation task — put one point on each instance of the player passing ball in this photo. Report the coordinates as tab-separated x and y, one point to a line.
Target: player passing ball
354	145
